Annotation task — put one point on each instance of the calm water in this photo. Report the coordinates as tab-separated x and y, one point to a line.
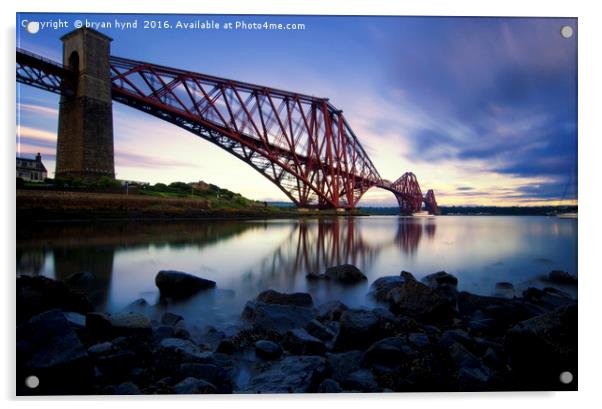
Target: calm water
246	257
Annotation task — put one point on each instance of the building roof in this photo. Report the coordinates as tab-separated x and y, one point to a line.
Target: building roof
39	166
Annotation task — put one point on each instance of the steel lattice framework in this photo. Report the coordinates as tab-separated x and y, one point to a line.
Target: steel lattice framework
303	144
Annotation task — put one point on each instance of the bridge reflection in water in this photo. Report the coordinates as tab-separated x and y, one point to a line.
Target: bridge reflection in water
304	246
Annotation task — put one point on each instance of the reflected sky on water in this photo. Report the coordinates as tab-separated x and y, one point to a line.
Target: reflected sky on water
246	257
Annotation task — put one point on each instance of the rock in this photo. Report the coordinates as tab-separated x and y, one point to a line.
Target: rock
267	349
294	374
561	278
362	381
315	276
503	312
126	388
161	332
419	340
358	329
117	365
75	319
344	363
277	317
453	336
170	319
101	348
38	294
48	347
462	357
418	300
192	385
274	297
320	331
180	330
299	342
345	273
473	378
177	284
206	372
504	290
440	278
226	346
172	352
389	352
130	323
548	299
80	279
540	348
329	386
331	311
382	286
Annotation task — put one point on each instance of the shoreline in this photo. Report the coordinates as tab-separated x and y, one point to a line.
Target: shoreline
423	336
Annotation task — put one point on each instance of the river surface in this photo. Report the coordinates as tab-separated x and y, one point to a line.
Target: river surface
246	257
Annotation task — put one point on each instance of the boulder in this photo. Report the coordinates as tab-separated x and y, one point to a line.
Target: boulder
192	385
419	339
389	352
320	331
38	294
440	278
540	348
276	317
504	290
172	352
275	297
358	329
206	372
346	274
293	374
362	381
420	301
126	388
331	311
117	365
103	325
504	312
267	349
548	299
299	342
561	278
329	386
343	363
316	277
171	319
48	347
382	286
176	284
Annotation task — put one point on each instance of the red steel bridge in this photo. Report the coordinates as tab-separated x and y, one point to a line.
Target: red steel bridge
303	144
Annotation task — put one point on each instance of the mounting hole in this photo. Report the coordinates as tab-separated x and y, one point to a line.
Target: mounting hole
566	31
32	382
566	377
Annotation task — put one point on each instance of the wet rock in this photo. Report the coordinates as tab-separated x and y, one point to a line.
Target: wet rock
170	319
358	329
462	356
192	385
205	372
331	311
418	300
130	323
296	299
452	336
561	278
177	284
389	352
362	380
440	278
172	352
76	320
276	317
503	312
294	374
101	348
316	277
345	273
382	286
540	348
117	365
267	349
344	363
161	332
504	289
419	340
126	388
138	305
472	374
320	331
299	342
226	346
548	299
180	330
48	347
329	386
38	294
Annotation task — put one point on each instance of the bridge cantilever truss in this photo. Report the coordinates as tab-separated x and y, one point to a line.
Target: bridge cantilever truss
303	144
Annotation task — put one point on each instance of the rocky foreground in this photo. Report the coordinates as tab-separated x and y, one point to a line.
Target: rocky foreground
427	336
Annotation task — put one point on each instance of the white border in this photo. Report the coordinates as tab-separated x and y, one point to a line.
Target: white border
590	70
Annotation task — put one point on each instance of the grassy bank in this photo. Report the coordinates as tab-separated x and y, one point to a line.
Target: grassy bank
33	205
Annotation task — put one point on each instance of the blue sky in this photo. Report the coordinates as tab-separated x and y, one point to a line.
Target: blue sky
483	110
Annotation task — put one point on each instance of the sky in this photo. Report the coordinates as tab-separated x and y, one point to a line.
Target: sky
482	110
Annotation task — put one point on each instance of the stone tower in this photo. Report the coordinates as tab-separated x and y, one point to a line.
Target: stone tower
85	134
